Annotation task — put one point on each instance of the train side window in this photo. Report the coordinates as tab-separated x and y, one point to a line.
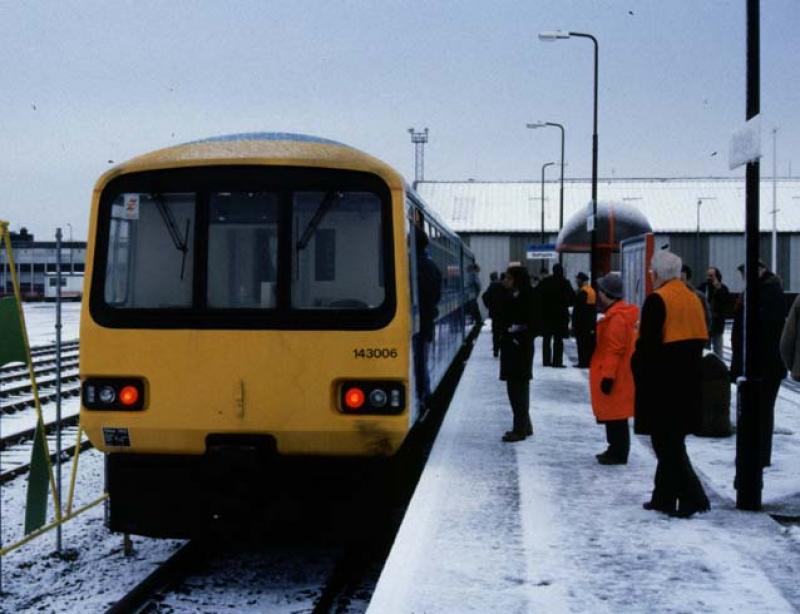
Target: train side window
243	250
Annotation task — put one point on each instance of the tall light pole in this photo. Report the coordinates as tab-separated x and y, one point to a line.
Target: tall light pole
561	189
554	36
700	200
544	166
419	139
749	426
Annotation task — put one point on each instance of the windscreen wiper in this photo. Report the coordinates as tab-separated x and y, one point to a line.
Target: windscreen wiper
182	245
324	206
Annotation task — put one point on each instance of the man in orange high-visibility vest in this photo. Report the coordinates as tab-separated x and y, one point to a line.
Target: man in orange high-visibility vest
667	372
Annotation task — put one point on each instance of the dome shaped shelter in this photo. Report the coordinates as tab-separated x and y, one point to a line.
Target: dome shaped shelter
615	221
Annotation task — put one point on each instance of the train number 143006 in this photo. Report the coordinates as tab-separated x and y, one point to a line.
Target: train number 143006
375	353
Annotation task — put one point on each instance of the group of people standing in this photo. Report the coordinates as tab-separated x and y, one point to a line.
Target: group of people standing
646	366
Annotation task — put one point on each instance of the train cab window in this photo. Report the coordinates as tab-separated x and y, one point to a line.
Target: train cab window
243	250
149	261
336	259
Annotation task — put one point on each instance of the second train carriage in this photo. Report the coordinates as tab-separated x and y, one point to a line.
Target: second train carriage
251	298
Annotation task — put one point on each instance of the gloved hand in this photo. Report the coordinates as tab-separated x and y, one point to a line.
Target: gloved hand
606	385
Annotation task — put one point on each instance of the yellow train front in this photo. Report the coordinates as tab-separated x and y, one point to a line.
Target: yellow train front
253	302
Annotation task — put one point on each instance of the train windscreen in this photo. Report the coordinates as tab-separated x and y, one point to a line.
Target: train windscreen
283	255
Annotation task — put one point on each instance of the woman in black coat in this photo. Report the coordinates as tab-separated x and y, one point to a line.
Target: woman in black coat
516	349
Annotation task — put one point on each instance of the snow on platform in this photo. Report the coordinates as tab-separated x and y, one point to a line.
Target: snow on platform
540	526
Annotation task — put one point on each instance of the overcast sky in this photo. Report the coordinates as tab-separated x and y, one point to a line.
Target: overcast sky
85	85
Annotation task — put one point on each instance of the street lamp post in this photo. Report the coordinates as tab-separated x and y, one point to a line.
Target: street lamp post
544	166
561	188
697	250
554	36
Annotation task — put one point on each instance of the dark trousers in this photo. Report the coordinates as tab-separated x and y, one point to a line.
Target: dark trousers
675	480
519	397
618	437
585	342
766	409
497	332
552	357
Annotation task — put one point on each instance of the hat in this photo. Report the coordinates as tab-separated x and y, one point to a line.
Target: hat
611	285
582	276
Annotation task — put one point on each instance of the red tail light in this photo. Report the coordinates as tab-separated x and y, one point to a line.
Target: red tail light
113	393
354	398
371	397
129	395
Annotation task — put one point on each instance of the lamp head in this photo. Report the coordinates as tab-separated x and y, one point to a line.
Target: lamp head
535	125
553	35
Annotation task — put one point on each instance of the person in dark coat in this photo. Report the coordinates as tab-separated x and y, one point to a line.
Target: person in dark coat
768	364
667	368
516	349
718	296
429	280
495	298
686	277
556	295
584	319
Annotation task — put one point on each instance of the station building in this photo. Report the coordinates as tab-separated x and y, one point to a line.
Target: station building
702	220
36	262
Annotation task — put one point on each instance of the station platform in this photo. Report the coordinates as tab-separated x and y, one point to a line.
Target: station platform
540	526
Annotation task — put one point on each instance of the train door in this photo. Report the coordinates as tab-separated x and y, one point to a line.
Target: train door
423	336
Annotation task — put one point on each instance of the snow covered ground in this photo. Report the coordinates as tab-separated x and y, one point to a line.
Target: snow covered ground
40	320
540	526
494	527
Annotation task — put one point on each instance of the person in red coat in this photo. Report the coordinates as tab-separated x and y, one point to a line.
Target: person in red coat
610	376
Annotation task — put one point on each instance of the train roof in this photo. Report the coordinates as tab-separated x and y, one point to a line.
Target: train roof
251	148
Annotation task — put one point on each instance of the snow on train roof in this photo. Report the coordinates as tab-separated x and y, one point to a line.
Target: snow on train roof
267	136
669	204
257	146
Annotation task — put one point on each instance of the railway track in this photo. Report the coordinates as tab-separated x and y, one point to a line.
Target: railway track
15	451
16	395
16	390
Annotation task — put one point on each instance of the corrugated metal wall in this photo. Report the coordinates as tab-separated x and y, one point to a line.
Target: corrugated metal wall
491	254
725	251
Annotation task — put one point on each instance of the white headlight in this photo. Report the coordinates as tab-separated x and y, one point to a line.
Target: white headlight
107	395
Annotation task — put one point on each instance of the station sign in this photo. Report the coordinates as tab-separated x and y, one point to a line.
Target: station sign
542	251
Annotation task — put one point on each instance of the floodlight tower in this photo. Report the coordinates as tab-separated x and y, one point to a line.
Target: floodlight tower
419	139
